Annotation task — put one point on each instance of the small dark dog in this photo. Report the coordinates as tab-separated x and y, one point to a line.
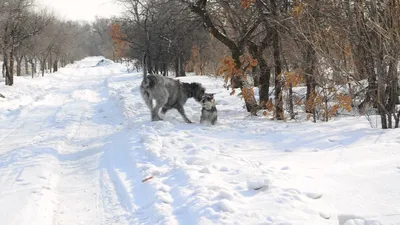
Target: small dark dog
168	94
209	112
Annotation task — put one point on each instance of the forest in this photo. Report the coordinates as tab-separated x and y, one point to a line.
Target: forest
343	53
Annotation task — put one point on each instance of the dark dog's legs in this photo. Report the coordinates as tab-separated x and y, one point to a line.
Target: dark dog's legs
182	112
202	118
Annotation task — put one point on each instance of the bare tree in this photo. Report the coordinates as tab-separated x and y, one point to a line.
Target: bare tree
234	32
17	23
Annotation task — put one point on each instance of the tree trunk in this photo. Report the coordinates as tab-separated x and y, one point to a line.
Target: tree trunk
9	76
3	71
26	65
397	120
156	68
393	86
245	87
164	69
182	72
364	63
309	68
11	67
238	81
33	66
383	119
389	120
19	65
176	65
278	84
326	116
49	62
279	112
291	105
381	90
55	65
179	66
150	65
265	76
43	66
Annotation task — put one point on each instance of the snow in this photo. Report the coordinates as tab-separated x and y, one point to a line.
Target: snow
77	147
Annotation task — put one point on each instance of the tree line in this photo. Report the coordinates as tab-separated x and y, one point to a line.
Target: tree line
345	52
35	41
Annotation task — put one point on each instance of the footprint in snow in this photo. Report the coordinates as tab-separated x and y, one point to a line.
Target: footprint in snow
332	140
258	184
325	215
225	195
224	169
313	195
285	168
224	206
194	161
42	177
190	145
205	170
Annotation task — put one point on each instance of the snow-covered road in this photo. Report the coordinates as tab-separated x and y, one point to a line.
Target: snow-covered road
75	147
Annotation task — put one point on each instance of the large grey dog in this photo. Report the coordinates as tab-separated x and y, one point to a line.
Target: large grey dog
168	94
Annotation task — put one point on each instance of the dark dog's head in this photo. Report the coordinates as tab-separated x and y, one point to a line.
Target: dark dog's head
208	101
195	90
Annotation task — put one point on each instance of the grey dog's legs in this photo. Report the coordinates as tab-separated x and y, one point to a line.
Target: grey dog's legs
182	112
159	103
164	109
149	102
202	118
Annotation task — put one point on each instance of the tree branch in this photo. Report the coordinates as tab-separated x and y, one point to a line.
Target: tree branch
199	9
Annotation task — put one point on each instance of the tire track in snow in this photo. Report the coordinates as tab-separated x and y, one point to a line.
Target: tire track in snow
57	173
35	189
26	112
116	199
80	193
151	200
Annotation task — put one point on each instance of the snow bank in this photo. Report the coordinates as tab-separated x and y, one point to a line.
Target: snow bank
78	147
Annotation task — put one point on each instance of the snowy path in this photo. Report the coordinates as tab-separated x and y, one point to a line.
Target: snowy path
75	147
52	152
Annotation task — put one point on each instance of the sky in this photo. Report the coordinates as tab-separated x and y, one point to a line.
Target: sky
82	9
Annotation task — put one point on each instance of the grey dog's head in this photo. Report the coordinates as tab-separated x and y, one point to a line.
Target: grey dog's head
208	101
195	90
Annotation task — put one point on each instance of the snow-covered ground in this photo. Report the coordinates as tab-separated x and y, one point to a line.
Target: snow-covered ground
77	146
